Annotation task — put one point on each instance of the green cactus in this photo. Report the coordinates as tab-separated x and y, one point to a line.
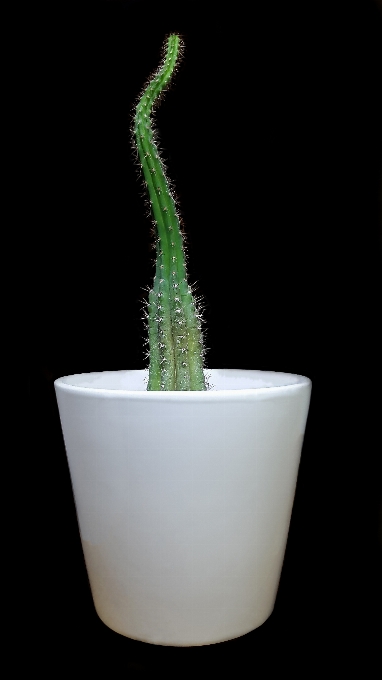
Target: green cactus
174	326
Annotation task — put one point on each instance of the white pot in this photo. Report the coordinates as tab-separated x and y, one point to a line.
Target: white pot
184	498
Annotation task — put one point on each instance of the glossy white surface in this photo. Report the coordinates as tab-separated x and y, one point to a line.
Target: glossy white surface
184	498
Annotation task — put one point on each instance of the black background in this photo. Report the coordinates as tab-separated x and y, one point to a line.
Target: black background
272	136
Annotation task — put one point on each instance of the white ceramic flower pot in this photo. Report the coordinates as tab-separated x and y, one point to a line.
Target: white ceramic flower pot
184	498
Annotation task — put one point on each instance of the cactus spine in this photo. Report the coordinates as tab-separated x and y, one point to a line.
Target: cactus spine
175	338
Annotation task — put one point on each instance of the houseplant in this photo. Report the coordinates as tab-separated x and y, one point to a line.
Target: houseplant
175	339
183	491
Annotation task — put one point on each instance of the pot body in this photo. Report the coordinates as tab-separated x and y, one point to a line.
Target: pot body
184	499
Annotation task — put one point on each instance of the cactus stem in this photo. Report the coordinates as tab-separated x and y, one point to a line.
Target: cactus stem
175	340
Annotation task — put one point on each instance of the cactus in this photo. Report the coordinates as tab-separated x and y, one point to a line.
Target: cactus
174	325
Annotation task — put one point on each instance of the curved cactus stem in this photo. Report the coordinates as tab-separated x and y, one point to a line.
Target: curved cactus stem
175	338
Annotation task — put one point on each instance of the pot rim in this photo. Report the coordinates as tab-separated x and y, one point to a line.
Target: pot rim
292	382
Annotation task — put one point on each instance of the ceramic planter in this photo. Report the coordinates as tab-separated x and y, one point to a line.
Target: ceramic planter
184	498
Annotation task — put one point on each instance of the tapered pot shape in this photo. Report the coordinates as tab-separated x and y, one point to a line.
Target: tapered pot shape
184	499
